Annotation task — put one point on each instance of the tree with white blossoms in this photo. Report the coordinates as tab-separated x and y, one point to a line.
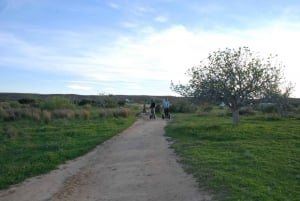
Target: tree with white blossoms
234	76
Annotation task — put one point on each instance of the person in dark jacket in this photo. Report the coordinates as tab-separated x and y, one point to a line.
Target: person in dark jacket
152	109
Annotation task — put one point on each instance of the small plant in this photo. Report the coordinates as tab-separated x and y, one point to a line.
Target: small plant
9	132
86	115
64	114
82	113
46	115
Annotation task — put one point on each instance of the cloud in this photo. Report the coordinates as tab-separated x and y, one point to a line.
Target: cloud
130	63
161	19
79	87
129	25
113	5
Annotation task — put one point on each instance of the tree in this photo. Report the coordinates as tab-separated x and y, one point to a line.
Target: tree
280	97
234	76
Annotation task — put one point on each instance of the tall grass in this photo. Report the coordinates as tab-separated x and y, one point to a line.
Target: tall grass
31	146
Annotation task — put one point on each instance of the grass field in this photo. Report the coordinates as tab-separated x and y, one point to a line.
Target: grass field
29	147
257	160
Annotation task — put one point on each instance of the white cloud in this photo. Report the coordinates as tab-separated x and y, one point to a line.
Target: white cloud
113	5
157	56
161	19
129	25
79	87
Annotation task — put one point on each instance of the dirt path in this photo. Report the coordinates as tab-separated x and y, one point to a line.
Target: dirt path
136	165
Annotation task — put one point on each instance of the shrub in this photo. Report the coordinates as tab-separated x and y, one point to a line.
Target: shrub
121	113
11	115
3	113
86	115
56	103
87	106
86	102
158	108
14	104
46	115
267	107
36	115
26	101
121	102
63	114
183	106
247	111
109	101
4	105
206	107
82	113
102	113
9	132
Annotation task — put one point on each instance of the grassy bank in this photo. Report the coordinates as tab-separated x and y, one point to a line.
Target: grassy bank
257	160
31	146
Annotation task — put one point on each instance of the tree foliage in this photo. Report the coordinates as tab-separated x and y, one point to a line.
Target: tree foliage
234	76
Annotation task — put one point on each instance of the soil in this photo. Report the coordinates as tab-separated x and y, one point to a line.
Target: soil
135	165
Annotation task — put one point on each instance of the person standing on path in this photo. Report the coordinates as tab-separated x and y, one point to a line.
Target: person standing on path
166	105
152	109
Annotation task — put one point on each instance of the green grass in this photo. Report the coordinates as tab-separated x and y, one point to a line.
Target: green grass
29	148
257	160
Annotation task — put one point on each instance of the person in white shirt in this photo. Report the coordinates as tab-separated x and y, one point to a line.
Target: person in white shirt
166	105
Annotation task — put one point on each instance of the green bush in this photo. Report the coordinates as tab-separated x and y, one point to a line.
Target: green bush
55	103
63	114
182	106
122	112
26	101
109	101
206	107
247	111
267	107
46	115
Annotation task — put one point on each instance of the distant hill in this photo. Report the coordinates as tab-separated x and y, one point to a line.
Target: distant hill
77	98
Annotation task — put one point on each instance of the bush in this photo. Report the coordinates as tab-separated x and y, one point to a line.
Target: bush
9	132
267	107
46	115
14	104
56	103
121	103
63	114
86	115
86	102
26	101
104	113
82	113
183	106
121	113
247	111
4	105
206	107
3	113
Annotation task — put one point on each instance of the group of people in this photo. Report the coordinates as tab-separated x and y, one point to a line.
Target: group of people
165	104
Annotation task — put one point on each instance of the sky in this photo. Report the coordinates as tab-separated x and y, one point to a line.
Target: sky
135	47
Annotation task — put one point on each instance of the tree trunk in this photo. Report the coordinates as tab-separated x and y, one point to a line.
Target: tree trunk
235	117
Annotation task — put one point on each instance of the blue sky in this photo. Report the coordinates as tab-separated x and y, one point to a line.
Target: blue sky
135	47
